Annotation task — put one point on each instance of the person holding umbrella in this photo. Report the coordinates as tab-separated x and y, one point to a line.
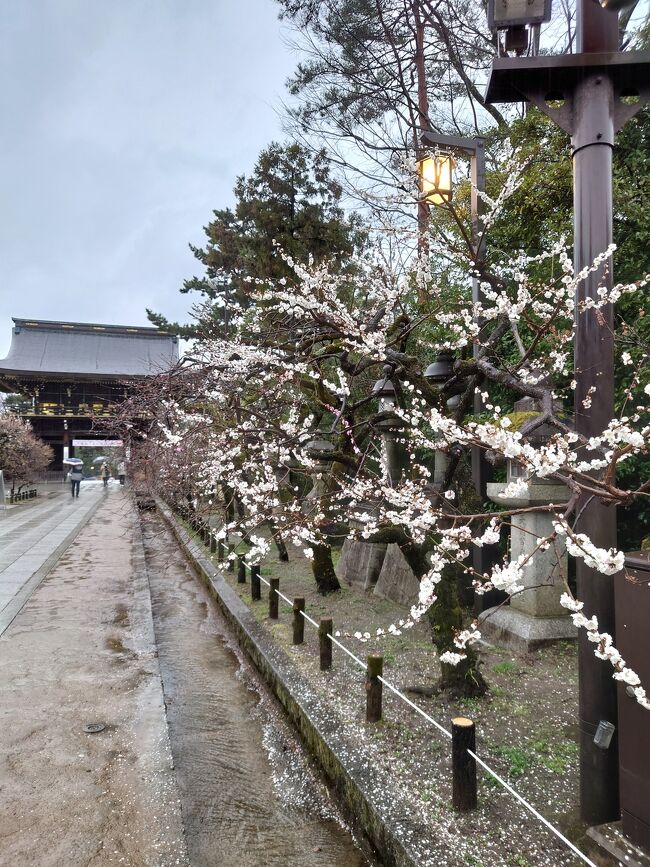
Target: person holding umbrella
105	474
75	475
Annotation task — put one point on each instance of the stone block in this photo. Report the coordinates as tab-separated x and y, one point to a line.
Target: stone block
505	626
360	563
396	580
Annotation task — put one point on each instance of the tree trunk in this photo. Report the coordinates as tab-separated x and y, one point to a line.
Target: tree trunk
229	504
283	554
323	569
445	617
276	535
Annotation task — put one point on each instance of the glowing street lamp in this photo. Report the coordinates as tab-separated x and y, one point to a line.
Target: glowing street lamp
435	178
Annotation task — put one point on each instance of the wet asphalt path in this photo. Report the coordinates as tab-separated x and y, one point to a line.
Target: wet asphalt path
248	795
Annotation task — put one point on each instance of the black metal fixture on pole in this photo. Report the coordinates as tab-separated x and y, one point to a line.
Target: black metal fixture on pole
588	95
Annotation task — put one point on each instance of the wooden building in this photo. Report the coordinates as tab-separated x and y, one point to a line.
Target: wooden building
70	375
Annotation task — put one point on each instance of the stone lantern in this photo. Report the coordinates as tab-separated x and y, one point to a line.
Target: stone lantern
319	449
534	616
391	428
437	374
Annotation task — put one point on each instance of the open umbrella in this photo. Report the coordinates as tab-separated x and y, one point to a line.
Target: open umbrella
74	462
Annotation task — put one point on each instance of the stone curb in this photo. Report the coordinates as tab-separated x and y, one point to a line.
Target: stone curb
320	729
144	627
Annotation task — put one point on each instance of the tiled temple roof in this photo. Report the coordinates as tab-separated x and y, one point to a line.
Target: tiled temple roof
78	349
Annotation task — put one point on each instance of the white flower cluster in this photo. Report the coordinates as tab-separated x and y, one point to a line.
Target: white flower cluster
608	561
604	648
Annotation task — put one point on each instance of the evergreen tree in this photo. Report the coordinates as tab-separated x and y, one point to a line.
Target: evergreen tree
289	203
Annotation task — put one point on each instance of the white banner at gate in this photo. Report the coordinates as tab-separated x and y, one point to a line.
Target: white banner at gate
100	444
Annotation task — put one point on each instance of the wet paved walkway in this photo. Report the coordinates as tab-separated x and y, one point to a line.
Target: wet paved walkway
33	536
81	650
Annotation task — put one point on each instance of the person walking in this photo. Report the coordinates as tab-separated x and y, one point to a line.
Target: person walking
105	474
121	472
76	475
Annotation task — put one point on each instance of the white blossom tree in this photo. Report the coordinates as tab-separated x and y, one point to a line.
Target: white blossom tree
281	416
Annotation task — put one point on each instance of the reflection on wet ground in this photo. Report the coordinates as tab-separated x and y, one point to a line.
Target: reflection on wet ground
249	797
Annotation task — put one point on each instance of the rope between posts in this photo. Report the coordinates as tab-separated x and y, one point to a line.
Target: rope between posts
282	596
310	619
529	807
444	731
349	652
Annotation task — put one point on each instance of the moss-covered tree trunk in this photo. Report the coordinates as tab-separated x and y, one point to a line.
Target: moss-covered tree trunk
446	617
323	569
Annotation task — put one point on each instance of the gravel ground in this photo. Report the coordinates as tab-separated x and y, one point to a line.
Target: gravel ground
526	728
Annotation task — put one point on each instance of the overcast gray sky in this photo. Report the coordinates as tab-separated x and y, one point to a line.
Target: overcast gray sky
123	125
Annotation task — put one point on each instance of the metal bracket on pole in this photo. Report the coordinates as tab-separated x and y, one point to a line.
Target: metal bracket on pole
550	83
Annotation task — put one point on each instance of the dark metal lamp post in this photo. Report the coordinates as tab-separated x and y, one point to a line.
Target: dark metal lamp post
440	370
587	95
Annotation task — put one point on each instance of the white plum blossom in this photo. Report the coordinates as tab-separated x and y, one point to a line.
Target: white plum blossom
608	561
297	366
604	649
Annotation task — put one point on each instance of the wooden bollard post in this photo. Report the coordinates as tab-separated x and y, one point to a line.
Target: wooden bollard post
220	551
256	587
231	563
206	535
241	570
213	544
274	598
463	738
374	671
324	631
298	620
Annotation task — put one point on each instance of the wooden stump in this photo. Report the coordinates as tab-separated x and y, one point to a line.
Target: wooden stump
256	589
274	598
324	631
463	738
298	620
374	671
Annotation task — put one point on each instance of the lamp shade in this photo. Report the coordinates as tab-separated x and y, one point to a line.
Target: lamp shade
435	178
383	388
517	13
318	447
440	370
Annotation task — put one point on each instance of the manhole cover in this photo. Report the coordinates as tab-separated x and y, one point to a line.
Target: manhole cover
93	728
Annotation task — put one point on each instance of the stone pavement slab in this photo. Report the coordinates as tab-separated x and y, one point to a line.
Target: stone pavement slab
31	542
